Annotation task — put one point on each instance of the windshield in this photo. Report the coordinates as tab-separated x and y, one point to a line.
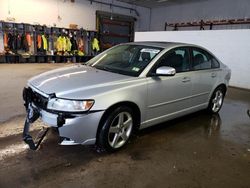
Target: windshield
127	59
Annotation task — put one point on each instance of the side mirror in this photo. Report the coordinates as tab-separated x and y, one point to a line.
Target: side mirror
165	71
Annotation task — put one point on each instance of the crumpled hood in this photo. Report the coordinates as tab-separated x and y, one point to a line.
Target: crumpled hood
70	80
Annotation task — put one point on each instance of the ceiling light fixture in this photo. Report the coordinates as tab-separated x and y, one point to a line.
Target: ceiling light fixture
161	1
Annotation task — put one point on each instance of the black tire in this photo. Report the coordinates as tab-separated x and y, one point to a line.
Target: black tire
110	132
216	100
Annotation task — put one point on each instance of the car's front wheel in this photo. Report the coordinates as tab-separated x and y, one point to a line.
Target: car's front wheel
116	129
216	100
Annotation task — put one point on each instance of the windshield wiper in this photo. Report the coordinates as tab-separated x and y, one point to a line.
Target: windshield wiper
107	69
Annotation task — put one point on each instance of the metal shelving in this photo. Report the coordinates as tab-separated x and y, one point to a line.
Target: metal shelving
210	23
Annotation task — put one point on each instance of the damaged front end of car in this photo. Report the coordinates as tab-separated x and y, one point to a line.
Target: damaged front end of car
75	123
33	114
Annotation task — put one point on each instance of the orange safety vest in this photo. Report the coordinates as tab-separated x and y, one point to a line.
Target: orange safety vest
5	39
28	38
39	41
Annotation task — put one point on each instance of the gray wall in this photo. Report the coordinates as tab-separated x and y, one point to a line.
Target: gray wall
207	9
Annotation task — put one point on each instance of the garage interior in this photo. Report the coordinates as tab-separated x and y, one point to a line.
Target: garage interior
197	150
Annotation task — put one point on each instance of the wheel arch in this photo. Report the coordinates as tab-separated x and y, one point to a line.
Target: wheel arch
223	86
134	107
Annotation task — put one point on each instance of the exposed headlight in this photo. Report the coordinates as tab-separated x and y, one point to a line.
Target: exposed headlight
65	105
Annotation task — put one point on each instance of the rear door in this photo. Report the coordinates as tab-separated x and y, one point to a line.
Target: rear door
205	74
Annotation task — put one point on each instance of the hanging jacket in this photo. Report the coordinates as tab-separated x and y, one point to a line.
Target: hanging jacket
45	42
95	45
28	38
50	44
68	44
61	44
64	43
54	39
1	43
18	42
12	41
5	40
24	43
74	44
80	44
39	41
32	47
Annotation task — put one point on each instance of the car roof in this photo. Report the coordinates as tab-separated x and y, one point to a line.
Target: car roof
163	44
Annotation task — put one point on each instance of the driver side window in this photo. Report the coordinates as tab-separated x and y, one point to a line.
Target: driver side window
176	58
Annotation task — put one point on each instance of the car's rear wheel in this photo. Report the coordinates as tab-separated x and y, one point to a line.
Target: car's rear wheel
116	129
216	100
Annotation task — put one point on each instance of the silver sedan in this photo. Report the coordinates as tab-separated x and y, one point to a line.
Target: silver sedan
128	87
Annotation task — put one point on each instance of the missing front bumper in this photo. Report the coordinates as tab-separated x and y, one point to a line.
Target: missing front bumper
32	115
76	128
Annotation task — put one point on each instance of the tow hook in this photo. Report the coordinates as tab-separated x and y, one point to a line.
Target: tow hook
32	115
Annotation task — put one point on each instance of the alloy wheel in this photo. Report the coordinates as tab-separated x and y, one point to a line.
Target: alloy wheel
217	101
120	130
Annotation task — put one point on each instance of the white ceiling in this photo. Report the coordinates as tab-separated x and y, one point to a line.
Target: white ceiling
158	3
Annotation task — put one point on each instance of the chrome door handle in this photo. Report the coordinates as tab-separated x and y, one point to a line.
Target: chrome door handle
186	79
213	75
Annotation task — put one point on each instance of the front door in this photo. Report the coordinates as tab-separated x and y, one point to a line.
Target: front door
169	96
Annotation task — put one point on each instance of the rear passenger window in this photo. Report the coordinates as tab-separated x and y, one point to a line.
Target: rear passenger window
201	60
215	63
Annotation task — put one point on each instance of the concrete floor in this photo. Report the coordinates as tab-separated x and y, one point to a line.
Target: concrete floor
198	150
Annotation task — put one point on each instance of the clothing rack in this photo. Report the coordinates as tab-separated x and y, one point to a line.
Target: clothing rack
50	33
